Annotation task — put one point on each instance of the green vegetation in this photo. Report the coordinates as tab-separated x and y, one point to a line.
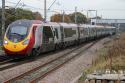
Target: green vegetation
112	57
81	18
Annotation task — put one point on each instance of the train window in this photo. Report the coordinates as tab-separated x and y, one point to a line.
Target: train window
93	23
69	32
85	31
81	31
56	32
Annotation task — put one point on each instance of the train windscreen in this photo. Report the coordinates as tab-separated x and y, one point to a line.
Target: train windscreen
17	33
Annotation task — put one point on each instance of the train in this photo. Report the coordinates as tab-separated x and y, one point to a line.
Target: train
32	37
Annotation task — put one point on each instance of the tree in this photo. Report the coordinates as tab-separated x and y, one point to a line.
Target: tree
23	14
81	18
98	17
37	16
13	14
59	18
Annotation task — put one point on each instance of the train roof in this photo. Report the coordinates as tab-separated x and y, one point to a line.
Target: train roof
110	27
51	24
68	24
28	23
86	26
95	26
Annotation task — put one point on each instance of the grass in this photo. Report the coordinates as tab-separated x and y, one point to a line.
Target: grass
1	47
112	57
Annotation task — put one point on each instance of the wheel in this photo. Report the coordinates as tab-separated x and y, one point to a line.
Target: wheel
38	51
32	53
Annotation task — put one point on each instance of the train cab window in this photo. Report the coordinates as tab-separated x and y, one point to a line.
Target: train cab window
17	33
47	33
21	30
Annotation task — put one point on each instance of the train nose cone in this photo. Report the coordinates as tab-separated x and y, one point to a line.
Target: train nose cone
14	46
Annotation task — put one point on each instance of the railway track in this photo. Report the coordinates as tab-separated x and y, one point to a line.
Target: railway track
41	71
4	61
7	62
12	63
3	58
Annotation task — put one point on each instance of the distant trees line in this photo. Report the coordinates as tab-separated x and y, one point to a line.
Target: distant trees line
69	18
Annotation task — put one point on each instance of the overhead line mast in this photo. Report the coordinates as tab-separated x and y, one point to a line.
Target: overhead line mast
3	19
45	8
76	15
45	11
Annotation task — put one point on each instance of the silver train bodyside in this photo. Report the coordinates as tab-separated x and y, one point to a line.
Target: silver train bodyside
38	37
66	34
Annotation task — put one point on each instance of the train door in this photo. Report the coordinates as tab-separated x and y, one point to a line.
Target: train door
48	38
56	35
38	37
62	33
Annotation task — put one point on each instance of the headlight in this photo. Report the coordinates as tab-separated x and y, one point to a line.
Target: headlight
26	42
5	42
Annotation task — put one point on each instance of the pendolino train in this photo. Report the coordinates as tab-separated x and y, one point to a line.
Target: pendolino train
31	37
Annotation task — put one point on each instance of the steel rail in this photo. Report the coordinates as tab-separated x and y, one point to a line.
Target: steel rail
43	65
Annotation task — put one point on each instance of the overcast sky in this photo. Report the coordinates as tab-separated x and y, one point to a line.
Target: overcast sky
112	9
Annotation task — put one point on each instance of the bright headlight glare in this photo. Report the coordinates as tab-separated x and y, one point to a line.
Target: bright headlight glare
26	42
5	42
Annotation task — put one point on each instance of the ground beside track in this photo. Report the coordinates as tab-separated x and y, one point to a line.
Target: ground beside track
20	69
70	72
110	61
2	55
1	52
